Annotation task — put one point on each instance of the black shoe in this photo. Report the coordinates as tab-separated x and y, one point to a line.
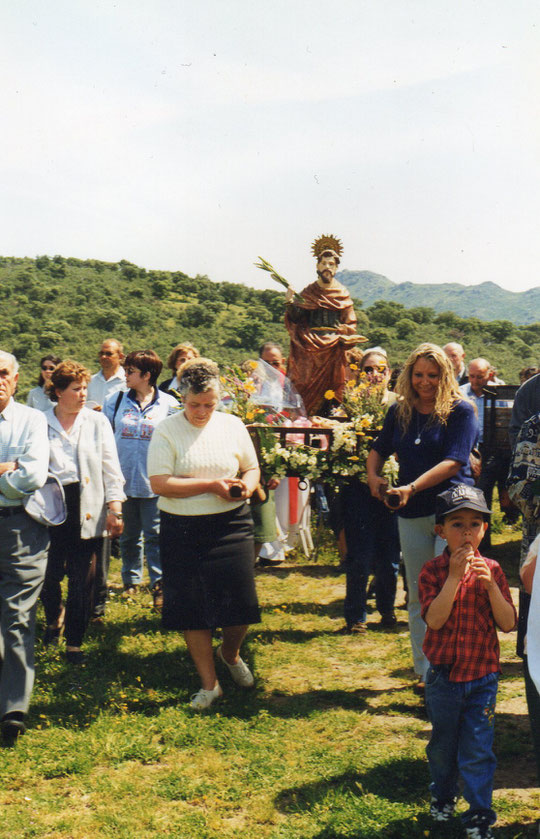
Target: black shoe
11	731
266	562
75	657
157	596
358	628
389	620
52	635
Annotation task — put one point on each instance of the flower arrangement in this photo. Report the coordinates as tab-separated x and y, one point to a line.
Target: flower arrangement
361	416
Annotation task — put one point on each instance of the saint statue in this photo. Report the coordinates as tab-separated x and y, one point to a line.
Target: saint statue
322	326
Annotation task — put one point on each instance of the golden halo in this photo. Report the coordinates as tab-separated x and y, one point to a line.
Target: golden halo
326	243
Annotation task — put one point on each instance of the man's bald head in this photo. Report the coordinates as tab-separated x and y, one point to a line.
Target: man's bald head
479	370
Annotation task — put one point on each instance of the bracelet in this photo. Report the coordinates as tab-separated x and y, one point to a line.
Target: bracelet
413	488
113	513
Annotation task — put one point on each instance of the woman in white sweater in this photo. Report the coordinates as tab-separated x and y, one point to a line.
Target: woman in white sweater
83	457
203	466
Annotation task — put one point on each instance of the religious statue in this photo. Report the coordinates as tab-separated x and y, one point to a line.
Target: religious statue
322	326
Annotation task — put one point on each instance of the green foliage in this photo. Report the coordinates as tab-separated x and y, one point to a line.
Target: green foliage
385	312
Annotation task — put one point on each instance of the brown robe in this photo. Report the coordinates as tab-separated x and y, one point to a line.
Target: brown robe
317	358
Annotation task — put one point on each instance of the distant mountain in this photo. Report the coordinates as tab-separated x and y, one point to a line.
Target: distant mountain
486	301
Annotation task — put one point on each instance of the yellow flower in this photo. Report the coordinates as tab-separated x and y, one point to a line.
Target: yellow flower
250	415
249	386
253	365
223	380
329	394
350	383
365	423
354	457
353	366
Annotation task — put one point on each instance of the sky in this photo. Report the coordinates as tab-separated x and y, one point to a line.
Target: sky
199	136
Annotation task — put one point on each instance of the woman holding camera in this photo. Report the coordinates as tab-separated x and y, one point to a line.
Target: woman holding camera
203	466
432	430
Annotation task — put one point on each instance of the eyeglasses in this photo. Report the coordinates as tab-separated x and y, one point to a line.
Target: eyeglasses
374	369
130	370
108	353
274	363
46	369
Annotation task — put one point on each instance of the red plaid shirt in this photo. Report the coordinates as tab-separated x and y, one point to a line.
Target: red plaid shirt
467	643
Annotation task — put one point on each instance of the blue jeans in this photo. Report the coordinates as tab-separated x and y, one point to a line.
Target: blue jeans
372	544
462	715
141	518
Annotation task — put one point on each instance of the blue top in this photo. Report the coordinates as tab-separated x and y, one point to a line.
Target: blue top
437	442
133	429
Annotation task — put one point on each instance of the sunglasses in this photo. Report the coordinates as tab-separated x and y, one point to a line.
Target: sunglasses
46	369
130	370
107	353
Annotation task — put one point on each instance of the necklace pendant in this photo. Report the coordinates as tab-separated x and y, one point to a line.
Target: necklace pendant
417	441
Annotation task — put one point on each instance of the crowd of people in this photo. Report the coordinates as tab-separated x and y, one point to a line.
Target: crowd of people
166	472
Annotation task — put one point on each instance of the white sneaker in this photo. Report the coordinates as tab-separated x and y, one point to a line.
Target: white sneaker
240	672
204	698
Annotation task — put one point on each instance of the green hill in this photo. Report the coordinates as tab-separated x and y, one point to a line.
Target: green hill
486	301
68	305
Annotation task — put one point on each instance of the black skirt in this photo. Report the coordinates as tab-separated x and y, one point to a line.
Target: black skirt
207	564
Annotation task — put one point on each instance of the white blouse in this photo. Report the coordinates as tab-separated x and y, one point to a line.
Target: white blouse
38	399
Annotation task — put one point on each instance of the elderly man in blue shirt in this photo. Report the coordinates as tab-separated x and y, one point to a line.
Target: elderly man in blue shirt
24	460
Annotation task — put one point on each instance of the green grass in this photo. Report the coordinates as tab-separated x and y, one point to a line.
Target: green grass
329	745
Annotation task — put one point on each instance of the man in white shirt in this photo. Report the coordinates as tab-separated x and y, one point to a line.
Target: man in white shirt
111	378
24	460
456	354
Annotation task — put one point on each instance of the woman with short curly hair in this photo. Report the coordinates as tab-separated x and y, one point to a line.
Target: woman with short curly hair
432	429
203	465
83	457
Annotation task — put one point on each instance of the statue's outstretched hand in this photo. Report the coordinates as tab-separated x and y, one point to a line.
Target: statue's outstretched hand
289	295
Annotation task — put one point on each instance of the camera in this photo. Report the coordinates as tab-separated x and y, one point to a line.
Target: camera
393	499
235	491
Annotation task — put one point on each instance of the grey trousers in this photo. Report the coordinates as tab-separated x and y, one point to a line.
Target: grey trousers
23	559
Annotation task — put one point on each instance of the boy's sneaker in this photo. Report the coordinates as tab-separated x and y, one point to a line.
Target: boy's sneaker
442	811
479	828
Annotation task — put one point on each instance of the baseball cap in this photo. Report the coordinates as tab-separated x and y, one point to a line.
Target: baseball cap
460	497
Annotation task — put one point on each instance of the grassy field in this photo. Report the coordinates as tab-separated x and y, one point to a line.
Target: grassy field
329	744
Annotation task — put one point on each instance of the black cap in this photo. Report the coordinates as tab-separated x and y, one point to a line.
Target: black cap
460	497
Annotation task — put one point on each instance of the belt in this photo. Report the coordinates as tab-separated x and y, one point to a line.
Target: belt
5	512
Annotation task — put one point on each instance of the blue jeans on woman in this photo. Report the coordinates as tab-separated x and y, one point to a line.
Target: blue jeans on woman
141	518
462	715
372	545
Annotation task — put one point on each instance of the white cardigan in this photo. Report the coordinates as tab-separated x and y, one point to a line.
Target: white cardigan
100	476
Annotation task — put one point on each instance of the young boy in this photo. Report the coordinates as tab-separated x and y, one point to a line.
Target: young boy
464	598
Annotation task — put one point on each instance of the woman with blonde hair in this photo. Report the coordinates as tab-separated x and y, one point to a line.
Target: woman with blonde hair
432	429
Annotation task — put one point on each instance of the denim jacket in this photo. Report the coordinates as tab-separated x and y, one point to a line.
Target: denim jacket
133	429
